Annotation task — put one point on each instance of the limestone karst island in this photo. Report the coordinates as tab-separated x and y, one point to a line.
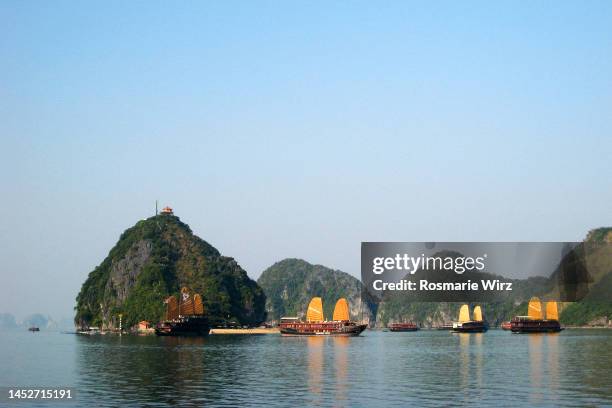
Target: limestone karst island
155	261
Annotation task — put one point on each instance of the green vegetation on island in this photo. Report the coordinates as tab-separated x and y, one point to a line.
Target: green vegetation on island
291	283
592	310
153	260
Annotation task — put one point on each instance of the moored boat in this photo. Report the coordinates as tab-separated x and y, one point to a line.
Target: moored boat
316	325
184	317
467	325
536	321
33	329
403	327
184	326
506	325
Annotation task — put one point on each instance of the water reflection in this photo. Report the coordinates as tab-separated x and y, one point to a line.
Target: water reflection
142	368
315	365
464	352
568	369
552	356
478	360
341	345
544	371
471	360
535	364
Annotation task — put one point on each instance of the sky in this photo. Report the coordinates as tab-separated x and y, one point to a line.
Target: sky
295	129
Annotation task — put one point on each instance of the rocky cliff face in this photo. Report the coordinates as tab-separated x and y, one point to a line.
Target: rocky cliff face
291	283
153	260
125	271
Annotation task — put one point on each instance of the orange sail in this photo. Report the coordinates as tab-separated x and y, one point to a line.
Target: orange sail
197	305
341	311
478	314
171	308
464	314
187	308
552	313
315	310
186	303
534	311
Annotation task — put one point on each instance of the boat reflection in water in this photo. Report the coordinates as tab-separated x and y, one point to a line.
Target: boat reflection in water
341	345
464	371
478	358
315	366
140	356
543	368
327	355
465	360
471	361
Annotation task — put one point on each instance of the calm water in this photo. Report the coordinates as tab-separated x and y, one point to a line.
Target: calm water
426	368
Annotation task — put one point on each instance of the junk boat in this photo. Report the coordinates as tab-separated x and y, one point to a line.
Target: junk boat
535	321
466	325
316	325
402	327
184	317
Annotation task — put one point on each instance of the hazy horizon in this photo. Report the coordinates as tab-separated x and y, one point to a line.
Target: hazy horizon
280	130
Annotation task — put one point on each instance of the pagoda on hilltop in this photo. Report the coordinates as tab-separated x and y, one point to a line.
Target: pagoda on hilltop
167	211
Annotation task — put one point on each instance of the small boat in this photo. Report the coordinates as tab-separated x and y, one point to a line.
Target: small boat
33	329
466	325
89	331
184	317
535	321
445	326
316	325
403	327
506	326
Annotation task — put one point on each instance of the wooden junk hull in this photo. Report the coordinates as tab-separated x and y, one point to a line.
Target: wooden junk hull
184	326
470	327
403	327
346	329
535	326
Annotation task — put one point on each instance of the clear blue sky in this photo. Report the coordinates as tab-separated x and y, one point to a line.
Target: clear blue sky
295	129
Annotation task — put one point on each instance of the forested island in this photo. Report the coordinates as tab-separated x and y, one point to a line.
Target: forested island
153	260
